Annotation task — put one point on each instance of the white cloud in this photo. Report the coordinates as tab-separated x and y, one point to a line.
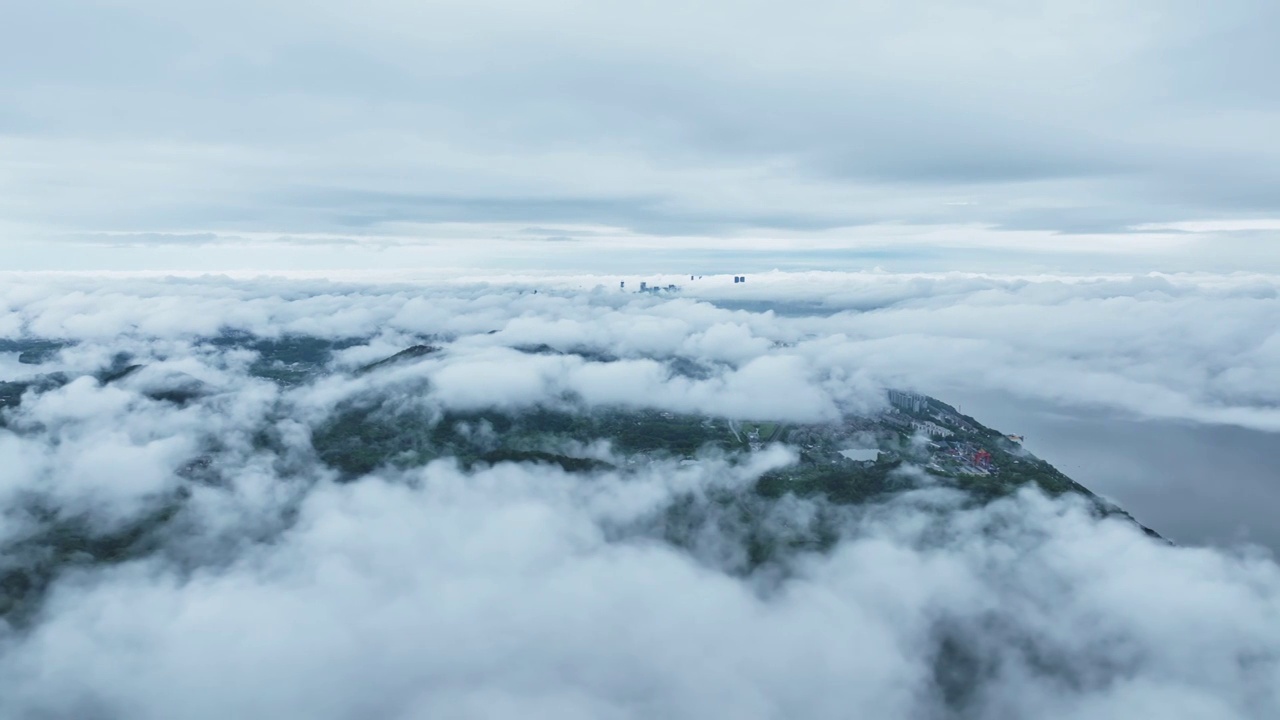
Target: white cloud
499	594
523	590
1193	347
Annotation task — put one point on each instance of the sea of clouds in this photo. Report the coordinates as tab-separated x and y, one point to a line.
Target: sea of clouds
522	591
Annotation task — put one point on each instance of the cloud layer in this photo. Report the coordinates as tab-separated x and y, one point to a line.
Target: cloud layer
520	590
1057	125
498	595
1187	347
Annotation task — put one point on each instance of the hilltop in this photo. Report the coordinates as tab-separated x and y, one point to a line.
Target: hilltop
913	441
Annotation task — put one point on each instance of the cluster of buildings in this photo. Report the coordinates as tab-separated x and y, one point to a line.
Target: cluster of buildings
645	287
965	458
908	401
926	412
916	404
931	428
862	457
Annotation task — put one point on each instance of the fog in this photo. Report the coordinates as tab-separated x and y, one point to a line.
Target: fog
256	580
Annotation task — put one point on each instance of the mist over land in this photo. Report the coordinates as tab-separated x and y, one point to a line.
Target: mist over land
564	499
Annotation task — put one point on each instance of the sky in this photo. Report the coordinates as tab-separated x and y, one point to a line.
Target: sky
1086	136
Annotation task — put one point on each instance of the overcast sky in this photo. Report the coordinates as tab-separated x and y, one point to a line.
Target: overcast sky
1117	134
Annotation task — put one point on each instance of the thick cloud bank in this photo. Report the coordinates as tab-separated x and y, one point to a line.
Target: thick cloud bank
500	595
1201	348
233	573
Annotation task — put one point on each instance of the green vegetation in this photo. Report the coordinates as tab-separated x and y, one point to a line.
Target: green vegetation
764	430
289	359
32	351
411	353
359	439
845	483
11	393
564	462
113	374
31	564
364	435
663	434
